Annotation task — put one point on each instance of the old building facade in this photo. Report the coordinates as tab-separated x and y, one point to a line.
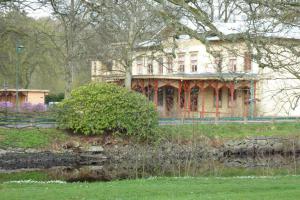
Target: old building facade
195	80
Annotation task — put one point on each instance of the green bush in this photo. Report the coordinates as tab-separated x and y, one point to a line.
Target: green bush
96	109
54	97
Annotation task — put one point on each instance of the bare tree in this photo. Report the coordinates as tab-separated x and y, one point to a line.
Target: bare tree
270	30
121	26
69	39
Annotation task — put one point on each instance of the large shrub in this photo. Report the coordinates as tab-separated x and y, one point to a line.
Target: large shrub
107	108
54	98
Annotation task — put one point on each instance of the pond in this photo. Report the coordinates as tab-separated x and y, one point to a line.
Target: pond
136	161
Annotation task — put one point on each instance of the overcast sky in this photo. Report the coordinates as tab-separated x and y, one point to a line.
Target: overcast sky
39	12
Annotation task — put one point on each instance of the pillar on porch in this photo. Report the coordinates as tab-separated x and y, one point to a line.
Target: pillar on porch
186	96
156	93
255	114
231	97
143	86
202	90
179	97
217	100
252	98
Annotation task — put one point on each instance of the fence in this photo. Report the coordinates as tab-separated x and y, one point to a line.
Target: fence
48	119
27	119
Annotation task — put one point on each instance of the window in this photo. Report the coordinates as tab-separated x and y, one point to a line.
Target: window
233	104
182	95
170	65
220	98
149	91
139	65
247	95
181	68
160	97
150	68
181	60
232	64
169	98
194	62
160	66
194	68
247	62
194	99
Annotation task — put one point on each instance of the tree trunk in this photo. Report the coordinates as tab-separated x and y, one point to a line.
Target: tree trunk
68	80
128	77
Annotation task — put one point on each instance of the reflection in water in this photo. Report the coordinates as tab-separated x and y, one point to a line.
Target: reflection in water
229	166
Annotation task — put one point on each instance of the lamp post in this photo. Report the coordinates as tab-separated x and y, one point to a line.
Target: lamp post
18	51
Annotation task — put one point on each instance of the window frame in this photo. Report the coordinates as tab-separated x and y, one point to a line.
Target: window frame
194	61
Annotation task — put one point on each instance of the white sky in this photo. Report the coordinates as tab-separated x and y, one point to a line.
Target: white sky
39	12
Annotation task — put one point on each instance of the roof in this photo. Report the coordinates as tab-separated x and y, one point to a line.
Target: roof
24	90
261	28
202	76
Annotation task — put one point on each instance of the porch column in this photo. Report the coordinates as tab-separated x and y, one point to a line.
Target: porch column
231	97
252	98
189	100
156	93
203	100
217	100
255	114
179	95
143	86
186	96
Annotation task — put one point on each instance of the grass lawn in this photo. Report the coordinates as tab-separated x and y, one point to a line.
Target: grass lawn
30	138
161	188
232	130
39	138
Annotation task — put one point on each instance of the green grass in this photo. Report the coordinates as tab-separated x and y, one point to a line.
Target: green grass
159	189
30	138
233	130
39	138
15	176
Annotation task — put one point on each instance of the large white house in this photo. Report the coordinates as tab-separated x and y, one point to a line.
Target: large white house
196	80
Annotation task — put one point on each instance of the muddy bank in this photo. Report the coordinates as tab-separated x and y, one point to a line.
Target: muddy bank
13	159
256	146
120	161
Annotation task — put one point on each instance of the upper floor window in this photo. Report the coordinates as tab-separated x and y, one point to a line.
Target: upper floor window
247	62
194	61
160	65
232	64
181	61
139	65
150	68
170	64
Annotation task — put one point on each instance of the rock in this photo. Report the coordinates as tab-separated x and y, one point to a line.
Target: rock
76	144
71	144
278	146
2	151
262	142
95	149
32	151
297	145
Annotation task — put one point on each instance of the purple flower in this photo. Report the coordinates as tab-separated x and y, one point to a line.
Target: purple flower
28	107
6	105
39	107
